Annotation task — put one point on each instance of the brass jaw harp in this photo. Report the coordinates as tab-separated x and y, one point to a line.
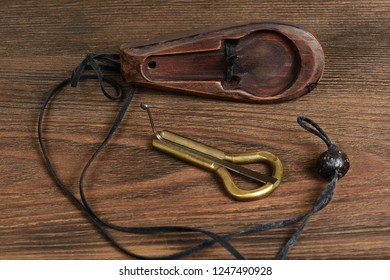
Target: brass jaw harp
221	163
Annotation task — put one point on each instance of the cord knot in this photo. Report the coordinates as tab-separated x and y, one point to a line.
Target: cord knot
97	63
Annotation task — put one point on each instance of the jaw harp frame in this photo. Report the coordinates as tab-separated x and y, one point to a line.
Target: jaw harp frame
219	162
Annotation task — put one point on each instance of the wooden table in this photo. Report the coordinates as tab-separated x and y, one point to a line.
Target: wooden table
133	185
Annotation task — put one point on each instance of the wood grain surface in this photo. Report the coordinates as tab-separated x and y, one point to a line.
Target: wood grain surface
133	185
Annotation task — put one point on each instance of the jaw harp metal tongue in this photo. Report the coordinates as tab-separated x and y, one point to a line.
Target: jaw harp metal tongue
219	162
258	62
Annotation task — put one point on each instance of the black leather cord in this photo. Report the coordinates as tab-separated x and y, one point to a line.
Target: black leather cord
90	63
110	62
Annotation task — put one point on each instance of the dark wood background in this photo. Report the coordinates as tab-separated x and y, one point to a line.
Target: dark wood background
133	185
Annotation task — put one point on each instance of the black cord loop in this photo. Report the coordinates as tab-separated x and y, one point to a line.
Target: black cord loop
314	128
110	62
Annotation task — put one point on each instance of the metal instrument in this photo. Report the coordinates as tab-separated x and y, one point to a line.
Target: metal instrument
220	162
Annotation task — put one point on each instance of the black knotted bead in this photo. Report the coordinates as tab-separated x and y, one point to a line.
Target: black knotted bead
331	161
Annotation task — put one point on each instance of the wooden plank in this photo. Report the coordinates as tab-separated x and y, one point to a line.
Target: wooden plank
131	184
